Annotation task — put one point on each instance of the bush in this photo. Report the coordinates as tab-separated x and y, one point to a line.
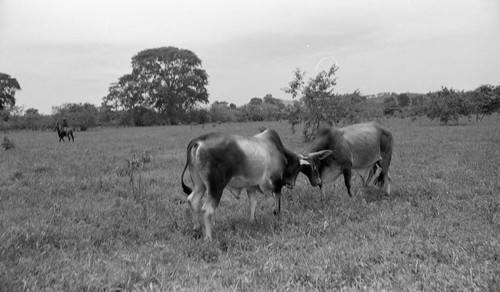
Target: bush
7	143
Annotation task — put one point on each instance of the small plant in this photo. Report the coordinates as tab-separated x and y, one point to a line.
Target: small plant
137	163
7	143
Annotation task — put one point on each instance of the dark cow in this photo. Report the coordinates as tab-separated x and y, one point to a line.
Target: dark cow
366	148
258	163
64	132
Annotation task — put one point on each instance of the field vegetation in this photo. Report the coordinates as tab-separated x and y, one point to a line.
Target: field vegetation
107	213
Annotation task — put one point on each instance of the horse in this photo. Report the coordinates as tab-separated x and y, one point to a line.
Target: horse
64	132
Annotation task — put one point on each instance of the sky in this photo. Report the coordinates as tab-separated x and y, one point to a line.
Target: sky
70	51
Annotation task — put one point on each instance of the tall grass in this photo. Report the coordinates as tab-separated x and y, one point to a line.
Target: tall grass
70	220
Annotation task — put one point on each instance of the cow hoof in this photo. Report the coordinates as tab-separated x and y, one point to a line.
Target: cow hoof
197	233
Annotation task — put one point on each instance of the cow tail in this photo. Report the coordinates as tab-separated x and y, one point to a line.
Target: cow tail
187	190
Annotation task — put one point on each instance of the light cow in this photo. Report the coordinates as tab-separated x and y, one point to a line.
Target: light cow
365	148
257	163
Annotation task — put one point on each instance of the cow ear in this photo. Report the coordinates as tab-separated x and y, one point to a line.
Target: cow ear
321	154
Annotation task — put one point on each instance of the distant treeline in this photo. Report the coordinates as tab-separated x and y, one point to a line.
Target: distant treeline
446	105
167	86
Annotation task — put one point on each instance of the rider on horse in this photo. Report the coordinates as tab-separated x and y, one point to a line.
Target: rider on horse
63	130
64	124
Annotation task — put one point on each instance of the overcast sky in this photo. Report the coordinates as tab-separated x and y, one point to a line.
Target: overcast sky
70	51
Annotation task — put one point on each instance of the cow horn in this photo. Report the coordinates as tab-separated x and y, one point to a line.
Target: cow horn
303	160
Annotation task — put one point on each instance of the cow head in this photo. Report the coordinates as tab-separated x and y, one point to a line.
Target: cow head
292	169
309	165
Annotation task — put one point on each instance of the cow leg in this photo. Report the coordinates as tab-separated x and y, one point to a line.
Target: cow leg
384	177
377	170
388	184
194	200
371	172
384	180
277	203
347	180
208	208
236	192
365	175
323	192
251	192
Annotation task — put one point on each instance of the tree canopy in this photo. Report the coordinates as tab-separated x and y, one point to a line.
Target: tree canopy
167	79
317	95
8	88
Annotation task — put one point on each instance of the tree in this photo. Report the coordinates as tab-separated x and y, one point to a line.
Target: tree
444	105
78	115
350	108
418	106
32	119
171	79
199	115
255	101
274	108
252	112
141	116
269	99
403	100
219	111
391	105
496	92
295	114
8	88
125	94
485	100
167	79
320	103
31	112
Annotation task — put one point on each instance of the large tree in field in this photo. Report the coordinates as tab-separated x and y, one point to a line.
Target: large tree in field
167	79
172	79
8	88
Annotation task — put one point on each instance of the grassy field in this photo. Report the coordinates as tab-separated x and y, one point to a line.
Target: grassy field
71	220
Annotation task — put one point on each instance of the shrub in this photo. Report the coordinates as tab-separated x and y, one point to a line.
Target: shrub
7	143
